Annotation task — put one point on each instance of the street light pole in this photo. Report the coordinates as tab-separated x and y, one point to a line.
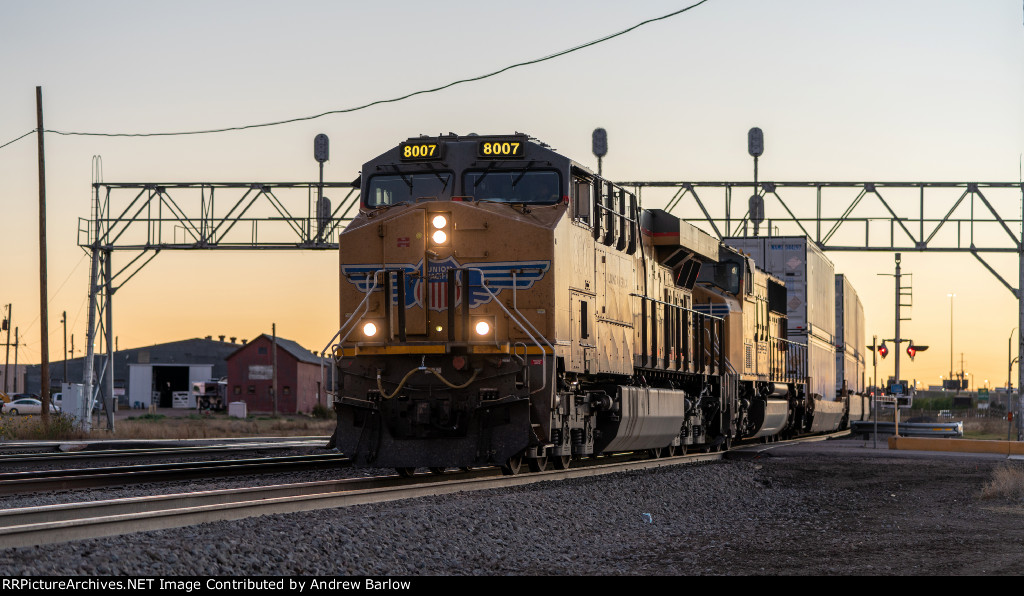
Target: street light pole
1009	358
951	296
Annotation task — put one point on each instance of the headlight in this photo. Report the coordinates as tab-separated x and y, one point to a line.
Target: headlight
440	228
482	328
369	330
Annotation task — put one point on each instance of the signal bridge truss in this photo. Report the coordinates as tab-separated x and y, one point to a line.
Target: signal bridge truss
957	217
143	219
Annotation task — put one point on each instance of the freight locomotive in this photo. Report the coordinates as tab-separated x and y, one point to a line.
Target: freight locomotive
504	305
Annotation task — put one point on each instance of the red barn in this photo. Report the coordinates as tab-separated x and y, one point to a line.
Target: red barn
251	373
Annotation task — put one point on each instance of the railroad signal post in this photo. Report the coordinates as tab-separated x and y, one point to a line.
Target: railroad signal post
755	147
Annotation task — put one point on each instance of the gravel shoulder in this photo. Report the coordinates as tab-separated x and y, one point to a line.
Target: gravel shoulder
830	507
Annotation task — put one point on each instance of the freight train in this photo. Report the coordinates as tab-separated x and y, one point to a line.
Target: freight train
502	304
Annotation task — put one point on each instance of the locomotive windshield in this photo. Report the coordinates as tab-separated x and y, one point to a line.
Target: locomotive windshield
392	189
513	186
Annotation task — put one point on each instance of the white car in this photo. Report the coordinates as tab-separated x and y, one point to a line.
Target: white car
26	405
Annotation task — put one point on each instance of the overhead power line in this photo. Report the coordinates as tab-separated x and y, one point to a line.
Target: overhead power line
17	139
382	101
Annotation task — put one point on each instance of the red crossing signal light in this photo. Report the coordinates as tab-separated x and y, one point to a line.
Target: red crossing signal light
883	350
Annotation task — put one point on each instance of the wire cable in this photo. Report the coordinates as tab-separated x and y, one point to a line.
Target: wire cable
18	139
391	100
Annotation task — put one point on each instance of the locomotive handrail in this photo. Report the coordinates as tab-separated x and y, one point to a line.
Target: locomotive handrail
604	228
515	307
544	359
706	352
323	378
795	353
708	315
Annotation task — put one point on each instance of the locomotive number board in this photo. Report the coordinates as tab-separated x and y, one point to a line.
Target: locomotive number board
500	149
420	151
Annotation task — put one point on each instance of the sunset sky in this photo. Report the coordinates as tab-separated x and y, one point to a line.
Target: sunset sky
844	91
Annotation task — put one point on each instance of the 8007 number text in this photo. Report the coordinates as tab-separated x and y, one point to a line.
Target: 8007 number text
414	151
498	148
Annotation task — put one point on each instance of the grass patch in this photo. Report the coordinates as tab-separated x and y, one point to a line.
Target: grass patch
31	427
987	429
1007	483
153	417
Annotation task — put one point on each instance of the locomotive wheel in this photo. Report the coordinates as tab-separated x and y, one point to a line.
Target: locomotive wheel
562	462
654	453
406	472
538	464
511	467
681	450
726	444
437	470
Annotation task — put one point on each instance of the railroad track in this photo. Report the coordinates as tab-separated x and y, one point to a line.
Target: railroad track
50	524
79	478
150	450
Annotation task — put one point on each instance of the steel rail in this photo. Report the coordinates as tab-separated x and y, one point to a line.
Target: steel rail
78	478
112	444
51	524
153	451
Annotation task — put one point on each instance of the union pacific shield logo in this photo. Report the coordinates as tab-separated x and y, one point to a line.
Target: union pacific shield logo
436	289
427	282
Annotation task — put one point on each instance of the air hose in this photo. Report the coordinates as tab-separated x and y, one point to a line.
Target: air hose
423	368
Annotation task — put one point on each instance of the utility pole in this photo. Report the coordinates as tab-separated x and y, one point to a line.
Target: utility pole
7	325
44	345
64	322
898	345
16	361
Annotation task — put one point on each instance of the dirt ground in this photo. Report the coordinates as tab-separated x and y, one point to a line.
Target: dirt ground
869	511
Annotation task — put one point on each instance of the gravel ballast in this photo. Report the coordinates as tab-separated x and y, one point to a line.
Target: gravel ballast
828	508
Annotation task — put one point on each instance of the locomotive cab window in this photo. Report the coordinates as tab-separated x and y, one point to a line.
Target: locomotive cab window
581	194
513	186
725	275
392	189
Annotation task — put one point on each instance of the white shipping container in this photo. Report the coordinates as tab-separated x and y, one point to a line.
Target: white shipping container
821	366
851	341
809	277
810	299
